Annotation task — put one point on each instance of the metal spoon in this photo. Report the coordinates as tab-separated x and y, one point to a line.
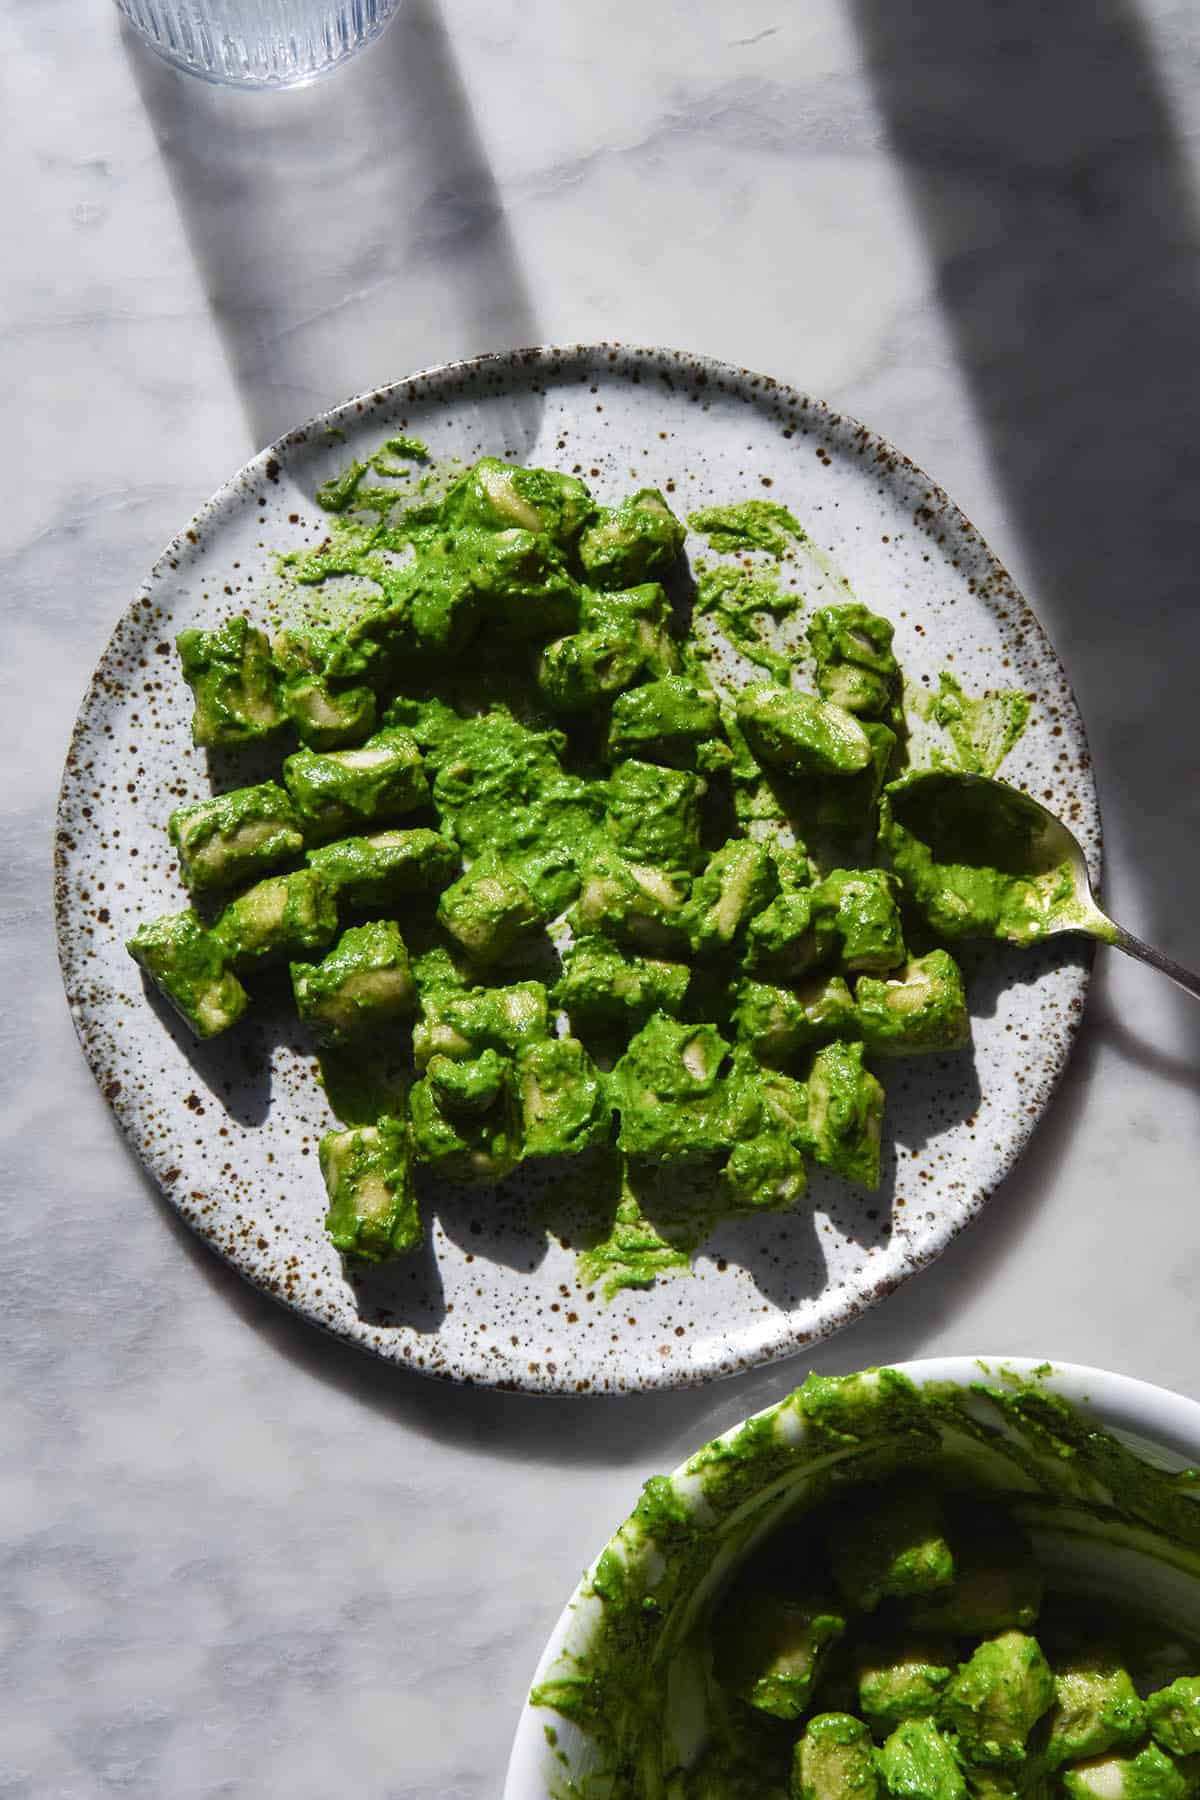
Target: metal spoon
1053	846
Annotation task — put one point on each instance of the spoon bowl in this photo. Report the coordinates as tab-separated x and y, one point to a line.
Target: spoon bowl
983	859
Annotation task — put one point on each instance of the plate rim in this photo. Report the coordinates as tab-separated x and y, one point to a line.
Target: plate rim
789	1339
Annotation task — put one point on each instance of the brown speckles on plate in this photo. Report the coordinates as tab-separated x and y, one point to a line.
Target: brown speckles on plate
227	1129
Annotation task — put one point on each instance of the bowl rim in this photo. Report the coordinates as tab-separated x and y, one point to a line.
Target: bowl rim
1122	1403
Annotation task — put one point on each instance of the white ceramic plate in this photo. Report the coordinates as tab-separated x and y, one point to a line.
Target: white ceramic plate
229	1130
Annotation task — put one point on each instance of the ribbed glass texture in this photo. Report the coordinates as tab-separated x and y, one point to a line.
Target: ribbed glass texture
257	43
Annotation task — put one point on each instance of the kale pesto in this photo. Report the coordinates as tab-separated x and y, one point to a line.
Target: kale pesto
857	1595
981	729
574	852
748	525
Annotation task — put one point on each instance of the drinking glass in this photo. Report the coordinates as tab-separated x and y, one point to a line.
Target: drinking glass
257	43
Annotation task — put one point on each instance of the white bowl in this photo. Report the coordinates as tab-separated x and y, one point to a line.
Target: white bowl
1161	1428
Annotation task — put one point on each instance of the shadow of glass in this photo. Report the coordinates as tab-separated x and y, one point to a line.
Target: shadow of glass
346	233
1047	177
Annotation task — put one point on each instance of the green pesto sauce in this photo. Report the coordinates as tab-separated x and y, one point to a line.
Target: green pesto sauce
658	1221
747	606
981	731
392	461
633	1254
642	1686
748	525
412	449
337	494
502	786
448	605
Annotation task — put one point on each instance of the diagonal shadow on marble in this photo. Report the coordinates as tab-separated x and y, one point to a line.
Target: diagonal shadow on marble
1046	173
341	230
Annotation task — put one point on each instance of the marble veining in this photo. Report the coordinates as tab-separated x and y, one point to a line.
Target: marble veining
238	1558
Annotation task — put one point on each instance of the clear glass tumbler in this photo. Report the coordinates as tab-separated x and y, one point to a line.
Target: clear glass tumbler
257	43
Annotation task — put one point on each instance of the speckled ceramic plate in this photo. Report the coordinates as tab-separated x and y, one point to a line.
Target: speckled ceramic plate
229	1130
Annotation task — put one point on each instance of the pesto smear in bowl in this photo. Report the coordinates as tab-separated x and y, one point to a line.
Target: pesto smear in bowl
890	1589
574	851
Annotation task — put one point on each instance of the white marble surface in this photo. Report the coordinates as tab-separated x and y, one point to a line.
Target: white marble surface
237	1559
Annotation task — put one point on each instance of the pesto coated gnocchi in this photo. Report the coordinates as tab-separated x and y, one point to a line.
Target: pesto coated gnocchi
603	896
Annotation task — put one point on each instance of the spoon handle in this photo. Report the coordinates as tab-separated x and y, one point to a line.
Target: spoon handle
1134	946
